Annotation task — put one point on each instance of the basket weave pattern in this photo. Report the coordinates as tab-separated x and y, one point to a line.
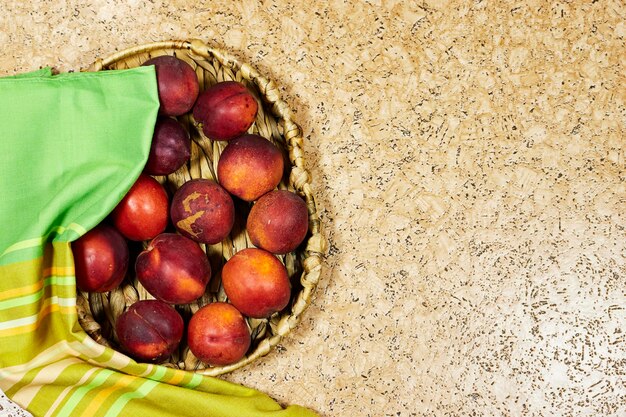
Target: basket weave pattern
98	312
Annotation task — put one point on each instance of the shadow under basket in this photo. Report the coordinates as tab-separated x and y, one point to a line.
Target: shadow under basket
98	312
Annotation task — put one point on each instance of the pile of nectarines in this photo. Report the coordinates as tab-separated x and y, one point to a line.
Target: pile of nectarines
175	228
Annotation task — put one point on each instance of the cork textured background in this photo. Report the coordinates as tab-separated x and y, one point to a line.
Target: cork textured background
469	164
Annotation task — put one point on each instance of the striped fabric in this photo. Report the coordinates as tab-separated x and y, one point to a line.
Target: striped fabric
75	144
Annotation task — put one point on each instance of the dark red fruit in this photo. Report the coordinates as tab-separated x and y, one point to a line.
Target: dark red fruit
170	149
203	211
177	83
149	330
100	259
173	269
278	222
225	110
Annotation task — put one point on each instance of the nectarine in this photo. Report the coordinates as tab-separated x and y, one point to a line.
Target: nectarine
149	330
225	110
250	166
170	148
177	83
203	211
256	282
173	269
143	212
100	259
278	222
218	334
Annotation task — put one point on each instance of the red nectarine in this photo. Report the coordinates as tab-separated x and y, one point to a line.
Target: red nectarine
177	83
250	166
278	222
173	269
203	211
100	259
149	330
218	334
256	282
143	212
225	110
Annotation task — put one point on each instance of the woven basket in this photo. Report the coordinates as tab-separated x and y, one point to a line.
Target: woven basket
98	312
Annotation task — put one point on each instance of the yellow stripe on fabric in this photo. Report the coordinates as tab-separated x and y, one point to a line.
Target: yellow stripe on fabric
63	276
14	378
80	392
104	394
138	388
149	369
77	228
46	375
111	359
63	395
18	292
36	320
32	293
101	355
38	241
159	373
24	244
33	357
58	271
121	402
53	353
178	377
22	380
42	307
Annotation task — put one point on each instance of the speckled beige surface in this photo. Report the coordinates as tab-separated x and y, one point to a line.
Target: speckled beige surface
469	158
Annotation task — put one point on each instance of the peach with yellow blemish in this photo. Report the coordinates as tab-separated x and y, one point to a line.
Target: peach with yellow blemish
250	166
278	222
218	334
173	269
203	211
256	282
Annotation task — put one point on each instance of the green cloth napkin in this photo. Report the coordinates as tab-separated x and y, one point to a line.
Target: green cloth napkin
71	147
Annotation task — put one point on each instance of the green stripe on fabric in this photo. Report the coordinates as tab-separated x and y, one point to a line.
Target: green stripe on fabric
106	356
48	306
47	375
31	298
196	380
159	373
50	354
27	344
25	244
119	404
33	248
22	255
59	396
51	390
79	394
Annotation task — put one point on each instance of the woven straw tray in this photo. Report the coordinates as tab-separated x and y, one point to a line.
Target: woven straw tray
98	312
